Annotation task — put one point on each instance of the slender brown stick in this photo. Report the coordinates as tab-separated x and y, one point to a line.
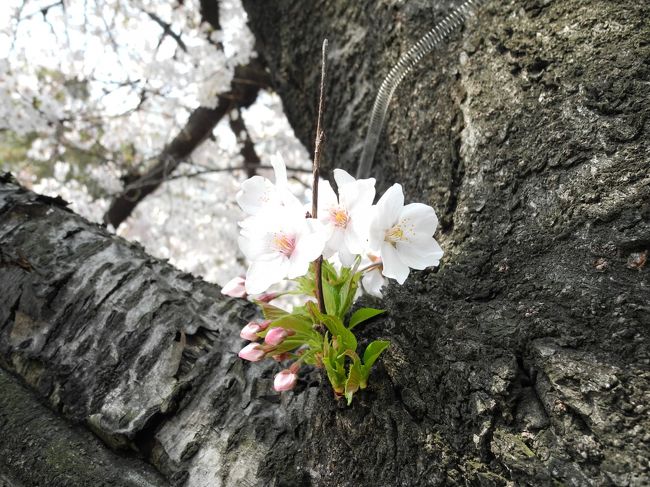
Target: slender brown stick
318	265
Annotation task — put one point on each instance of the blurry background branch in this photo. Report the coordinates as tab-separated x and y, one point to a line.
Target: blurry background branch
245	86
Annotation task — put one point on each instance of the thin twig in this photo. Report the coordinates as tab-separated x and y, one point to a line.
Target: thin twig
318	265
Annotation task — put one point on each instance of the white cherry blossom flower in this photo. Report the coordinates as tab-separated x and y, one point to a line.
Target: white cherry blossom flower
404	235
258	193
373	281
346	217
279	244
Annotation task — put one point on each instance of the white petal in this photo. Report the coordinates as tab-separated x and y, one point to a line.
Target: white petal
342	177
280	170
336	238
326	199
372	282
261	275
352	242
393	266
357	232
390	206
358	195
290	201
309	246
417	219
420	254
255	193
376	232
346	257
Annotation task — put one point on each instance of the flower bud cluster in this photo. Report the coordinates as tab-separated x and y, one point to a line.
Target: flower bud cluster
254	352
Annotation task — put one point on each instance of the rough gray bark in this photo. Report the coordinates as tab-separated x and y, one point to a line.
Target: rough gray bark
525	357
141	353
523	360
39	448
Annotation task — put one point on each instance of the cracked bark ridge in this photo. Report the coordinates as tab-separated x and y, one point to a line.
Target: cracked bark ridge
525	357
141	353
57	454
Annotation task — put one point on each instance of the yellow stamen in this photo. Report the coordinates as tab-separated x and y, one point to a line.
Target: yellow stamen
339	217
394	234
284	243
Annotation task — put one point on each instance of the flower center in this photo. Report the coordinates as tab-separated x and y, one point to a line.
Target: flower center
394	234
284	243
339	217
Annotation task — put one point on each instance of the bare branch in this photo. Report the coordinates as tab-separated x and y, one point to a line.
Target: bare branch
199	126
240	130
244	167
167	29
316	174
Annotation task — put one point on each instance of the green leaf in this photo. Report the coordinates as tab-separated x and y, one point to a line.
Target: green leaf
298	323
271	312
330	296
286	346
335	326
362	315
353	381
347	293
334	368
370	356
373	351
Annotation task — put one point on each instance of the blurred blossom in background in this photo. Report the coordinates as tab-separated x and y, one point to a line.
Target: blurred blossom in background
93	90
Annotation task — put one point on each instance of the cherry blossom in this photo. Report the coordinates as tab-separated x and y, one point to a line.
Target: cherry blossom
404	235
250	331
373	280
258	194
279	244
275	336
252	352
346	217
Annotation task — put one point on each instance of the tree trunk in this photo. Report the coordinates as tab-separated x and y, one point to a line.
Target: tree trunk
524	359
141	353
525	356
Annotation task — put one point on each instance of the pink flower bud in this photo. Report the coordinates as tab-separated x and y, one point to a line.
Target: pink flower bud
235	288
275	336
267	297
285	380
264	324
252	352
250	331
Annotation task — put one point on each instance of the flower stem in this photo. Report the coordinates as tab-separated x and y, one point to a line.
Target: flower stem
318	265
370	267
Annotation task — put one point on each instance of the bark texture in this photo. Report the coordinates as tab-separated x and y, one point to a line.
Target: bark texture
523	360
141	353
525	357
39	448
